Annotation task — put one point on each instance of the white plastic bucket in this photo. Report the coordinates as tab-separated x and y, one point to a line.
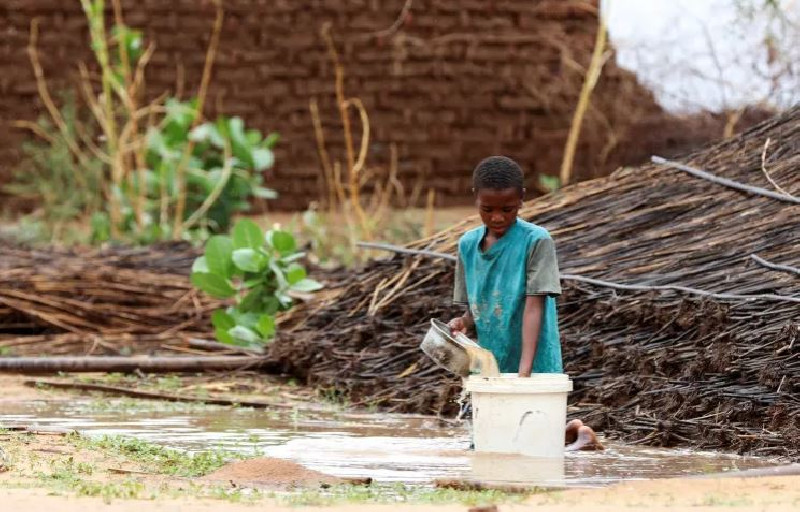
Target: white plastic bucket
517	469
519	415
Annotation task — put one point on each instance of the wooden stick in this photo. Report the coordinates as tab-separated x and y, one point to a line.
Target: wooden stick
774	266
694	291
599	57
479	485
766	173
152	395
215	345
404	250
599	282
724	181
129	364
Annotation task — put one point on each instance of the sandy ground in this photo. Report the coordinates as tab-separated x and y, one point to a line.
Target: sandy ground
37	480
11	388
772	494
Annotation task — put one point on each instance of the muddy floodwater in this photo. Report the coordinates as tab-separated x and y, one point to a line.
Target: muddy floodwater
388	448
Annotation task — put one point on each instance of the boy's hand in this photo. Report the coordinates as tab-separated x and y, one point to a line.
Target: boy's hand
458	324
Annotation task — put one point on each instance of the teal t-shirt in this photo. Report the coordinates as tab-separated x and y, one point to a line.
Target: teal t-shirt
495	283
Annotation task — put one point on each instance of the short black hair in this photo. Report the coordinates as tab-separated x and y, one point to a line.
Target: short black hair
498	172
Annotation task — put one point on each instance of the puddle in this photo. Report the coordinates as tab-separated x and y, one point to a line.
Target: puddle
388	448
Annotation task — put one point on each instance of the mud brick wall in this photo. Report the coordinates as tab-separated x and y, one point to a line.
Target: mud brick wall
458	81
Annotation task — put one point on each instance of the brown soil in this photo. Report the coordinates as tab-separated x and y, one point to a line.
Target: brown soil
773	494
12	389
271	472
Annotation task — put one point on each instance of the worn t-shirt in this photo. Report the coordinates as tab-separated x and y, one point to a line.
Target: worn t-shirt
494	284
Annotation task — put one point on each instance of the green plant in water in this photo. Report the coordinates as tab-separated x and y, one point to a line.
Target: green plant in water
260	272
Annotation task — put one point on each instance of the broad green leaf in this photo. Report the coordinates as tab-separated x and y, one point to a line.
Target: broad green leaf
262	159
307	285
207	132
222	320
264	193
271	305
200	265
223	337
239	143
271	140
281	241
255	281
295	273
246	233
280	276
247	319
252	302
266	326
285	300
219	251
236	129
213	284
180	113
201	179
244	335
249	260
253	137
293	257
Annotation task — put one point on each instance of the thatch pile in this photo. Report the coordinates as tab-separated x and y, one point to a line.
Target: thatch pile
102	302
653	366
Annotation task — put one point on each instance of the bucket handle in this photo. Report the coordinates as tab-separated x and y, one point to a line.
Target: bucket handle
522	420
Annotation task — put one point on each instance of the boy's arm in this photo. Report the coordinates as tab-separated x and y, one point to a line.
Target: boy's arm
531	325
543	280
465	322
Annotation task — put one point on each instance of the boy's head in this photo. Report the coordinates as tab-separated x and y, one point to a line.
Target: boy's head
498	186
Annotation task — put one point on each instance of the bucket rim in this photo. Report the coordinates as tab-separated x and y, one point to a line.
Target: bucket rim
511	383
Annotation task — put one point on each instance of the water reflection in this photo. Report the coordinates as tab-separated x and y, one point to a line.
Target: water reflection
384	447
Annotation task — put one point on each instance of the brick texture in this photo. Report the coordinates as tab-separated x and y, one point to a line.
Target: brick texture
460	80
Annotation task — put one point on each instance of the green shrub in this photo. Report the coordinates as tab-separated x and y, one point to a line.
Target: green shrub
260	272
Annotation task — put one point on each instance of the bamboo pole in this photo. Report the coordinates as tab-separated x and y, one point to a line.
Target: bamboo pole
592	74
51	365
153	395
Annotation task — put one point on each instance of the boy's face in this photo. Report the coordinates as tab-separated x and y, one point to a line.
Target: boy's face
498	208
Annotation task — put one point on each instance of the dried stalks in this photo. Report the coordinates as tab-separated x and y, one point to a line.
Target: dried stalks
359	194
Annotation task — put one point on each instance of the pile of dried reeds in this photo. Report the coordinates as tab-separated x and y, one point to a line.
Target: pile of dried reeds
112	301
702	350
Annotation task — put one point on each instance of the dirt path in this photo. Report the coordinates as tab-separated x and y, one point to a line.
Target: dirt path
773	494
11	388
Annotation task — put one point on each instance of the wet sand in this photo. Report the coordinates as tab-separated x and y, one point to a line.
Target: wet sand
770	494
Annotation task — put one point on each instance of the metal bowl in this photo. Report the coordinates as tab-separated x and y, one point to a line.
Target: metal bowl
443	347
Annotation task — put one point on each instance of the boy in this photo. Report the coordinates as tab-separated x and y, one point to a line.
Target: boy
507	276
